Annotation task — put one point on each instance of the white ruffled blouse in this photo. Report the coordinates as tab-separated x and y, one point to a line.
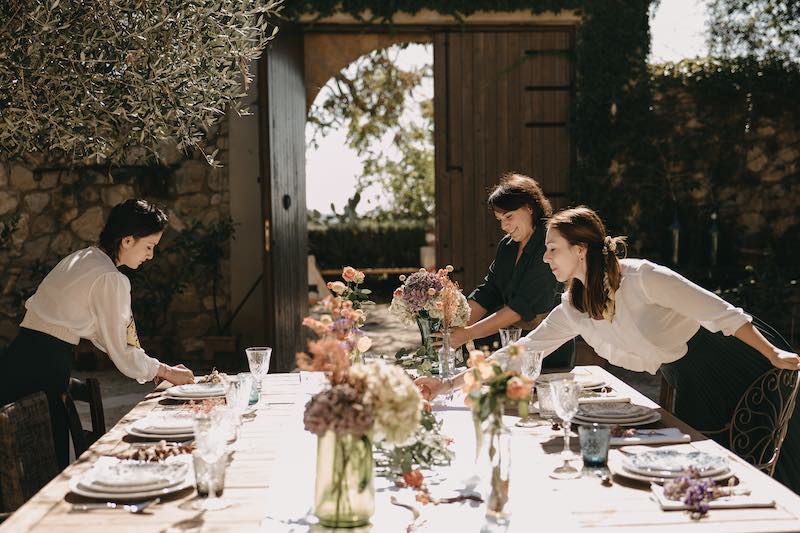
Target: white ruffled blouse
656	312
85	296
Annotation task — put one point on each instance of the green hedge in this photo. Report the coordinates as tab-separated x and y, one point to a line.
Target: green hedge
367	243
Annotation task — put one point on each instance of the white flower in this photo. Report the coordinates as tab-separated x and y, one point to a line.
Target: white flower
364	343
338	287
395	400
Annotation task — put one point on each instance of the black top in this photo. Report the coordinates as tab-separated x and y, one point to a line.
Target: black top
528	286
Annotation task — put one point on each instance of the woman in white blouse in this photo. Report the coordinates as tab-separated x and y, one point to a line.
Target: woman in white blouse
645	317
86	296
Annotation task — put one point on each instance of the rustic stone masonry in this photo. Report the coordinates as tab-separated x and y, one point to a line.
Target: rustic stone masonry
58	211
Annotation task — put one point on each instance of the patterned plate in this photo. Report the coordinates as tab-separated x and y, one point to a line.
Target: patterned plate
614	410
672	463
654	417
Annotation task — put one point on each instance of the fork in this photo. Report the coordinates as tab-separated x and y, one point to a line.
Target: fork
134	508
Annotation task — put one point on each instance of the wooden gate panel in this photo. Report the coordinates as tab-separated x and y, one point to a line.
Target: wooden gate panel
282	113
506	99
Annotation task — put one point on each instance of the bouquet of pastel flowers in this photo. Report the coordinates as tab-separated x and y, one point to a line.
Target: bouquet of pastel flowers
344	314
433	302
363	404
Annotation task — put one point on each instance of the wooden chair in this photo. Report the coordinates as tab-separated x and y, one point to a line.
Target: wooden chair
89	392
27	456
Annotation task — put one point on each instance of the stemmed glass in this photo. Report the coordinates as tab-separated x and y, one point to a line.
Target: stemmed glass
509	335
210	439
531	368
258	359
565	401
237	399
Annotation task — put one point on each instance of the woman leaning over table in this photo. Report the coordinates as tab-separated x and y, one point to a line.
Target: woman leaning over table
645	317
519	290
85	296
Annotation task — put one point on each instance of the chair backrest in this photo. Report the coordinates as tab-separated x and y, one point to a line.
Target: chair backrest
761	418
27	456
84	391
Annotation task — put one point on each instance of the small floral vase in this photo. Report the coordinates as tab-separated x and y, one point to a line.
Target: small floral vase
499	448
447	357
344	493
426	326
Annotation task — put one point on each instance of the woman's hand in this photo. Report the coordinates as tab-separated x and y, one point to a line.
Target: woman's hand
458	337
177	375
785	360
430	388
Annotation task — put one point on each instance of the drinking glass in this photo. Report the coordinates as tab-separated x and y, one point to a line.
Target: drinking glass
545	397
594	444
531	368
245	390
258	358
565	401
509	335
210	439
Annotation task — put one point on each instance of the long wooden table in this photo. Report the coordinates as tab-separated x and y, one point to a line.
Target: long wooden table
271	480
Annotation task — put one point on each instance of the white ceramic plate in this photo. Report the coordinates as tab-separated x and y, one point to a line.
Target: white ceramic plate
655	417
586	381
614	410
618	469
195	390
149	425
78	488
673	463
153	435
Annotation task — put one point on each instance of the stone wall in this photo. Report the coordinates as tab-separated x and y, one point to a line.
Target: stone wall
727	156
54	211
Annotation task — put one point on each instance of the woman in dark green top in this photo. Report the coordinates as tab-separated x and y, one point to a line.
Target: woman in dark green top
519	289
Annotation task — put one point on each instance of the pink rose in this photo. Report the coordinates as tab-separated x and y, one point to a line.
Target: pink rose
517	389
349	274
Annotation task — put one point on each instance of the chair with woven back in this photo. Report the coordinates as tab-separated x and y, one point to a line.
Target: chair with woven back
84	391
27	456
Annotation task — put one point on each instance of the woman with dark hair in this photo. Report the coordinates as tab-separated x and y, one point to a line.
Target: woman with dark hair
519	289
85	296
645	317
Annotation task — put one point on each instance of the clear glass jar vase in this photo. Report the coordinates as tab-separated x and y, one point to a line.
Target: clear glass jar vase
344	495
426	325
447	357
499	450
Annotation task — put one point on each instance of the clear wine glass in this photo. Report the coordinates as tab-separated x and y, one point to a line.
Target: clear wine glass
509	335
531	368
565	401
211	441
258	358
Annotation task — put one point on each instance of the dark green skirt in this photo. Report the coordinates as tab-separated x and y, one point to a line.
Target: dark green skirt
710	380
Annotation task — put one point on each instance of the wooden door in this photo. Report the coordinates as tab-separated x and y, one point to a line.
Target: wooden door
501	103
282	115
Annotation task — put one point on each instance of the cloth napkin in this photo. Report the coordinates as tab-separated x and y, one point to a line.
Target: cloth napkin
588	397
727	502
664	436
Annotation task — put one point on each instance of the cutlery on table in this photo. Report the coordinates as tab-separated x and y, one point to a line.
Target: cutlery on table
134	508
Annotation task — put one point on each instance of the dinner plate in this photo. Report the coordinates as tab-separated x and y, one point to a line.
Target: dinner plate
655	417
197	390
585	381
151	424
175	469
154	435
617	468
78	488
614	410
673	463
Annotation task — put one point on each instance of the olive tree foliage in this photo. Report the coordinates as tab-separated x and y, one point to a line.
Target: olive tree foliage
388	121
94	82
762	29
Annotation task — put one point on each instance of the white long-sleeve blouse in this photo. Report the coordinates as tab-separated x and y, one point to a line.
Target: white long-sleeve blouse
85	296
656	312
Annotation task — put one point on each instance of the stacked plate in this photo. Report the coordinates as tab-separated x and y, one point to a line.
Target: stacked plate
195	391
167	426
616	414
586	381
658	466
113	479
